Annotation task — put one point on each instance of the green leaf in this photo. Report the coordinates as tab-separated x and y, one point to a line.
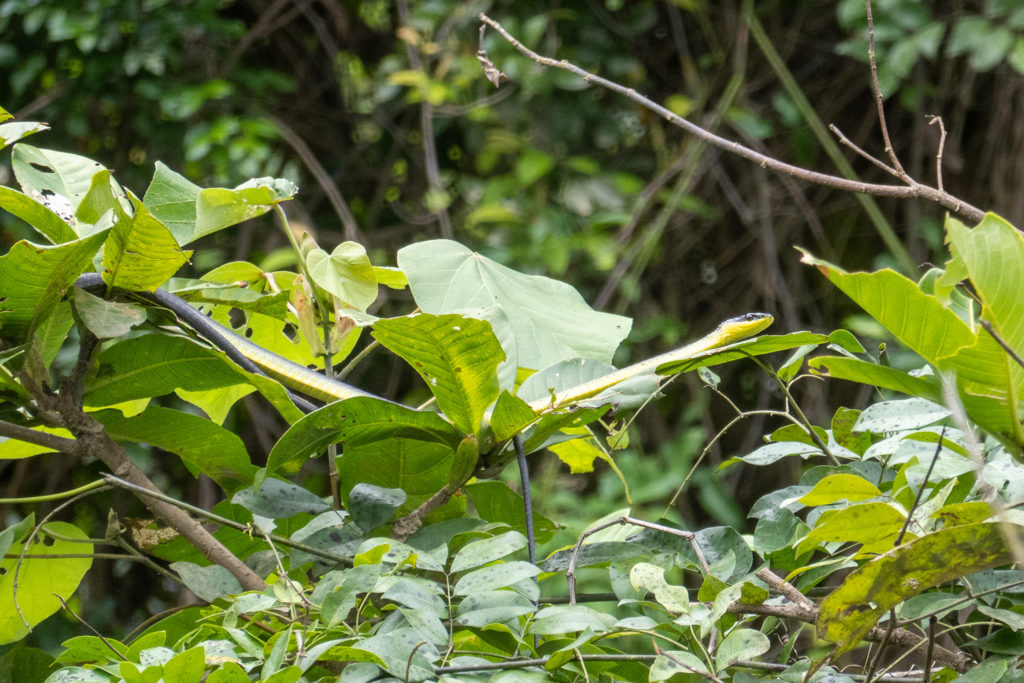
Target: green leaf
853	609
740	644
445	276
106	319
674	662
464	462
346	273
155	364
510	416
895	416
279	499
355	422
840	487
33	280
772	452
208	583
403	653
856	370
562	619
457	357
141	254
993	253
418	467
875	525
17	130
202	445
478	553
496	502
104	195
186	667
484	608
917	319
218	208
171	198
495	576
36	214
47	171
532	165
40	580
371	506
651	578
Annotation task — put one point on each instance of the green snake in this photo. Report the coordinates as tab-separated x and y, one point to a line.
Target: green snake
255	358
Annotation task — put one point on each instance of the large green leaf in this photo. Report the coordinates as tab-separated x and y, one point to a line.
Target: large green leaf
881	376
918	320
201	444
356	422
141	253
154	365
457	357
16	130
550	319
40	580
993	253
172	199
218	208
49	172
38	215
853	609
346	273
418	467
34	278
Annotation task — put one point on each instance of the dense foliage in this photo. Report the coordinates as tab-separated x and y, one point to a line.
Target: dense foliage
398	557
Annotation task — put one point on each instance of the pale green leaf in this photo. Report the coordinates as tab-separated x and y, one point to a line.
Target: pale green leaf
446	276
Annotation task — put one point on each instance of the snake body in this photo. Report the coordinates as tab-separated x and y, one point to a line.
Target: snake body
256	359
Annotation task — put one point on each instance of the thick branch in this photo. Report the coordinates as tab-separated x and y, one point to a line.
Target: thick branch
29	435
912	189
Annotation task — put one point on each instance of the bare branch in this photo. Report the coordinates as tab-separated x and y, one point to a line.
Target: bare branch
912	189
879	99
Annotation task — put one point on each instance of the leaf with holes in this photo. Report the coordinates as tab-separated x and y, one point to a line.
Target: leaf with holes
457	357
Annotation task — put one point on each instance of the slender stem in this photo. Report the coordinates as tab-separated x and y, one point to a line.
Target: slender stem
879	99
900	191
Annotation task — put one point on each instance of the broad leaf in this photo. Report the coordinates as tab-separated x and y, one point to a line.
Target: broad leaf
40	581
917	319
853	609
106	319
445	276
171	198
33	279
419	467
356	422
36	214
497	503
17	130
856	370
141	253
49	172
201	444
346	273
219	208
457	357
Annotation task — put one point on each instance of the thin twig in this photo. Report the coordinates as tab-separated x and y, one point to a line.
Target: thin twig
570	572
912	189
86	624
843	140
931	646
879	99
920	490
34	436
1002	342
933	120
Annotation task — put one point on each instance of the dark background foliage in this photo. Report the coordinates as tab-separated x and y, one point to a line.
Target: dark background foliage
545	173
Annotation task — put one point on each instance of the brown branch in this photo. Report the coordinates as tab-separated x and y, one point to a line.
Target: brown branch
806	611
411	523
91	439
879	99
29	435
933	120
911	190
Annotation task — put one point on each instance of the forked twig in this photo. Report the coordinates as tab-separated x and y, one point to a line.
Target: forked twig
910	190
